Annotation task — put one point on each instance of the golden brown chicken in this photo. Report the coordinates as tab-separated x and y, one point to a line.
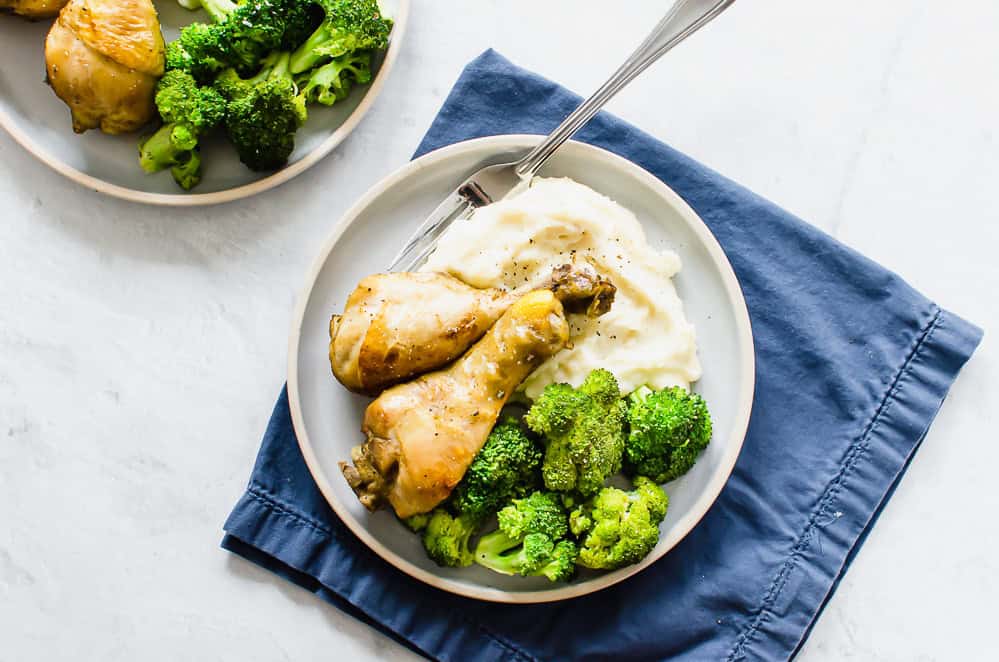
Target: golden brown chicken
33	8
421	436
103	58
399	325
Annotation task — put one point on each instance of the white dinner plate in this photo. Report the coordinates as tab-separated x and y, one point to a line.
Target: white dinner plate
327	418
40	122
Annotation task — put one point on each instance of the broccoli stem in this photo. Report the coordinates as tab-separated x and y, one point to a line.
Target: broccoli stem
640	394
274	65
491	553
159	151
305	57
188	174
219	10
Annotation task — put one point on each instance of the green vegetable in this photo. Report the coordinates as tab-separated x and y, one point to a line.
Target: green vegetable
263	113
417	523
505	468
251	28
188	174
348	25
535	555
618	528
583	430
188	111
245	54
301	20
242	36
530	540
668	431
199	51
446	538
332	81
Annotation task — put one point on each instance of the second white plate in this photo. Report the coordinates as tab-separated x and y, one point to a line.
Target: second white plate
40	122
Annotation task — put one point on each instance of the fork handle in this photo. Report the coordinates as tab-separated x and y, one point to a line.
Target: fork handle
683	20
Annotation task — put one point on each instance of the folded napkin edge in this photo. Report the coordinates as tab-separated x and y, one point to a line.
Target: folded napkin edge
869	474
293	541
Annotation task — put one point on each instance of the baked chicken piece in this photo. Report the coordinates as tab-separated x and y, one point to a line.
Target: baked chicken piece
399	325
103	58
421	436
32	8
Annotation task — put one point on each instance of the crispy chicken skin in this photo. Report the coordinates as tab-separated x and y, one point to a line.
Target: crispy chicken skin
32	8
399	325
421	436
103	58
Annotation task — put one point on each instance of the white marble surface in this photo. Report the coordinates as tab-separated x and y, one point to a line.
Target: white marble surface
141	349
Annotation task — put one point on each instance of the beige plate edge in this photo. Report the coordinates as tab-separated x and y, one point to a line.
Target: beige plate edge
401	19
679	530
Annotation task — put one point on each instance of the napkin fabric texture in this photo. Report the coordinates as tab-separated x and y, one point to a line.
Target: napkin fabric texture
852	365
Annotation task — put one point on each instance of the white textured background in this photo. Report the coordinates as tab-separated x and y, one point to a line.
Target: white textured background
141	349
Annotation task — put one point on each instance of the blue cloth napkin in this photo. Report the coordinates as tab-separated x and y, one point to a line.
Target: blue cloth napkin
852	366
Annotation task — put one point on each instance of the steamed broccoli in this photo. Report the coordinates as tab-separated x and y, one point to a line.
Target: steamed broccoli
668	430
535	555
505	468
445	537
332	81
618	528
199	50
263	113
348	25
217	9
188	174
530	540
188	111
583	430
254	29
417	523
242	36
301	20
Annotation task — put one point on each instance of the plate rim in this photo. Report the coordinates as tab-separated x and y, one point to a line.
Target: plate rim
400	23
680	529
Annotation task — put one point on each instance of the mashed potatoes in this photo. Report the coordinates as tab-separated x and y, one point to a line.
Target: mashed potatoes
515	243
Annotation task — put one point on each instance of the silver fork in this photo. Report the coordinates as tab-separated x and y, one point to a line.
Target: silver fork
493	182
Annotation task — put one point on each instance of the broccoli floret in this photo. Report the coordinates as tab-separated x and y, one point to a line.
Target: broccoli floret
301	21
242	36
583	430
263	113
535	555
506	468
332	81
348	25
530	540
668	431
199	50
540	512
217	9
446	538
417	523
561	565
254	29
618	528
188	111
